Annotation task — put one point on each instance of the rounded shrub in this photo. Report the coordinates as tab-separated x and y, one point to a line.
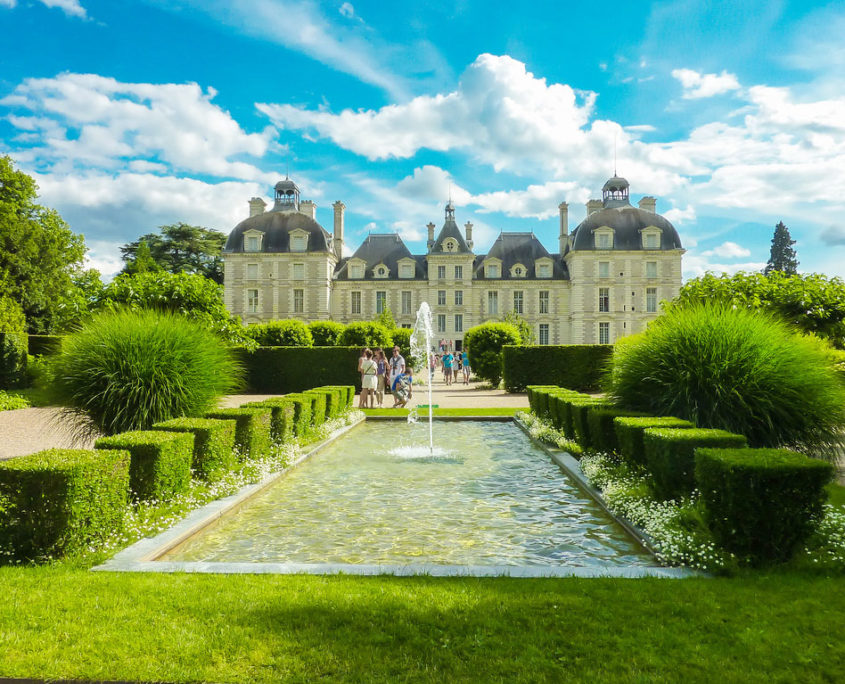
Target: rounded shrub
738	370
366	334
484	346
287	332
326	333
130	369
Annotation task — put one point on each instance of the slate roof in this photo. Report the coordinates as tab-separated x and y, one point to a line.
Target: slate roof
450	229
387	249
520	248
277	226
627	222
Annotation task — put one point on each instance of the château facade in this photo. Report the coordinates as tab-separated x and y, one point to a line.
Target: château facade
605	281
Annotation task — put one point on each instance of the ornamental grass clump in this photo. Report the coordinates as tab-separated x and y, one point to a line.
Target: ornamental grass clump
738	370
128	370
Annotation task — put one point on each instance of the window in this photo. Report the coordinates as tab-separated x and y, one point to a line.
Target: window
544	271
604	333
381	301
252	301
252	243
604	269
492	303
652	241
459	297
543	337
450	245
382	272
356	302
492	270
441	272
406	302
650	269
517	301
441	322
459	272
298	301
441	297
544	301
604	299
356	271
299	271
406	271
459	322
519	272
252	271
298	243
651	300
604	240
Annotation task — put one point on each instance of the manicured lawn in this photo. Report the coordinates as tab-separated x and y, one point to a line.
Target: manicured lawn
60	622
423	412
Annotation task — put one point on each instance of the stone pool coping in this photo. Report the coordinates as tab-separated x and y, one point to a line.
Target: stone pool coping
141	556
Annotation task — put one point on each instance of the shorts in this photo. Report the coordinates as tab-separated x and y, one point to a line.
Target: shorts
448	371
381	383
368	382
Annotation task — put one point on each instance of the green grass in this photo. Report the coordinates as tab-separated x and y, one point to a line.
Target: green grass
836	494
65	623
495	411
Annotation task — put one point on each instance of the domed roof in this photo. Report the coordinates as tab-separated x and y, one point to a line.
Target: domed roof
286	184
615	184
627	223
276	227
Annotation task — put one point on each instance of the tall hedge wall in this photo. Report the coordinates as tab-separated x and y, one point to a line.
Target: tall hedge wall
279	370
13	348
574	366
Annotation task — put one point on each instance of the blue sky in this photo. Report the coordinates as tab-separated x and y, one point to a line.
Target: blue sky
136	114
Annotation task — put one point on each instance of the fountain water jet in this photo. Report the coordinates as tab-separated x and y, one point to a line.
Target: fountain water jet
420	351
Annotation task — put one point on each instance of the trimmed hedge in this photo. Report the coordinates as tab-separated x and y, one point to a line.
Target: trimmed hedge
252	429
281	417
602	428
281	370
484	344
579	407
318	407
761	504
559	412
44	345
347	395
572	366
13	349
531	391
326	333
670	456
301	413
214	441
57	502
330	401
160	465
287	332
629	434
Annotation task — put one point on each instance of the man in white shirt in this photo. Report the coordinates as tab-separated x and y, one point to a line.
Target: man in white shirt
397	365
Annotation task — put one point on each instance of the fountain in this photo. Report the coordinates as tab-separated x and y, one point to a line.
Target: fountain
420	351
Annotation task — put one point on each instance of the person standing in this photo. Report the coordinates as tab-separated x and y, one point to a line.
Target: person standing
361	359
381	376
397	365
369	371
448	361
465	366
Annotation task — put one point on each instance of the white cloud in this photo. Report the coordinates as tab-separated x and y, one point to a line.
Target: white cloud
536	201
728	250
347	10
833	235
104	255
697	85
679	216
91	121
70	7
8	3
695	266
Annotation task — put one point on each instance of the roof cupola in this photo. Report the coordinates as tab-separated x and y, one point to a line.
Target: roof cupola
615	193
287	196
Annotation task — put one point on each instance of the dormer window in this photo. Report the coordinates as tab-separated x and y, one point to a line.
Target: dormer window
356	271
381	271
252	241
651	239
492	270
518	271
298	242
544	270
604	238
450	245
406	270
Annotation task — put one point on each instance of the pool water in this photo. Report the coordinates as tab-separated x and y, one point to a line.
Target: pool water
488	496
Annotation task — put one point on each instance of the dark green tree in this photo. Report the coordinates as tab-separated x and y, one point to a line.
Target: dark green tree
143	260
180	248
782	257
39	254
386	318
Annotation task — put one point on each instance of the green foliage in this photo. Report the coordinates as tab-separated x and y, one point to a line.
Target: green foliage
301	413
177	248
602	429
279	370
11	402
761	504
57	502
579	408
129	370
160	462
281	417
41	345
812	302
326	333
574	366
347	395
560	413
39	254
332	400
318	407
13	359
629	434
386	319
80	300
782	256
12	318
670	456
193	296
484	345
526	334
252	430
402	339
281	333
364	334
214	441
734	369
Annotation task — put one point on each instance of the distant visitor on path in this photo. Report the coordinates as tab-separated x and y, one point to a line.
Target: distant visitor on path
465	366
448	361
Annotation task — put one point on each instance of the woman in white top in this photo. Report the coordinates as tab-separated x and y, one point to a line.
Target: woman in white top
369	373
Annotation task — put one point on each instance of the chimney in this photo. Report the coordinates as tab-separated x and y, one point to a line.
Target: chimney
564	226
648	204
594	205
308	208
256	206
430	227
468	228
337	243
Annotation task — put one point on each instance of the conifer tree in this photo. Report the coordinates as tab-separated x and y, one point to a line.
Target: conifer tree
783	258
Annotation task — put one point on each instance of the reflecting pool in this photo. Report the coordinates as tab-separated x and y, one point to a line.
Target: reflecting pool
488	496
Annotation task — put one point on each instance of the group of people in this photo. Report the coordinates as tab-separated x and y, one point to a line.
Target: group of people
454	365
381	375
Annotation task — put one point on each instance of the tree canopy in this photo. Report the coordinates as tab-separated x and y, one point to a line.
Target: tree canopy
782	257
177	248
41	259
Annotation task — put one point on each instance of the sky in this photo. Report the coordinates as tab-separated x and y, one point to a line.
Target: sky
141	113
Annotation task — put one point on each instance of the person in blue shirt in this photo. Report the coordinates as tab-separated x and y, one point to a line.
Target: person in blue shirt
402	388
465	360
448	360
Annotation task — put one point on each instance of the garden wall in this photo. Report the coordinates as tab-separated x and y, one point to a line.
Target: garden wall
279	370
574	366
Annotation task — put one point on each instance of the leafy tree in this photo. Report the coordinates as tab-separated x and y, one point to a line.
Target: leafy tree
282	333
386	318
143	260
180	248
11	316
402	339
520	324
87	287
39	254
484	346
812	302
326	333
782	257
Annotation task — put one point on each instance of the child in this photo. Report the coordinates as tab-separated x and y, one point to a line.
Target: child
402	388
